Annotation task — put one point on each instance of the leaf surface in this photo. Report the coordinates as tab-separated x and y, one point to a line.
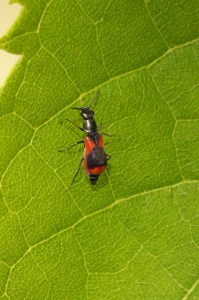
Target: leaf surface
135	234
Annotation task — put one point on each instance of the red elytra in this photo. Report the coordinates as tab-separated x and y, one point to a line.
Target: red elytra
95	159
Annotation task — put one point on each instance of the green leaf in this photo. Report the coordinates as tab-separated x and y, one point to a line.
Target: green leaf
135	234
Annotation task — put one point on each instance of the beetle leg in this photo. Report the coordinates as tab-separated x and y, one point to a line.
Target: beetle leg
109	156
80	142
82	129
104	133
76	172
61	150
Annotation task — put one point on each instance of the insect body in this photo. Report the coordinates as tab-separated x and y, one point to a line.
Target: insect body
95	158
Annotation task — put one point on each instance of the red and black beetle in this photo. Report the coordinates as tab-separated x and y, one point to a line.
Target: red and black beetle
95	158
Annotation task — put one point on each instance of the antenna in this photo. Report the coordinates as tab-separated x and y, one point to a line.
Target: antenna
95	98
92	101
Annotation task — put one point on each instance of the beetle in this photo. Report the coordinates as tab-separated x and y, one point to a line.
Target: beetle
95	158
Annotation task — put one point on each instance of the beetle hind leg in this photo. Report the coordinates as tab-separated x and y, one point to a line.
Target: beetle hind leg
76	172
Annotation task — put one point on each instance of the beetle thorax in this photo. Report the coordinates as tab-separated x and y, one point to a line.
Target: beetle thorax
90	126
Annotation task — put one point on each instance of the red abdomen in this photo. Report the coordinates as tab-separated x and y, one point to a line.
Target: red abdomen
95	159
